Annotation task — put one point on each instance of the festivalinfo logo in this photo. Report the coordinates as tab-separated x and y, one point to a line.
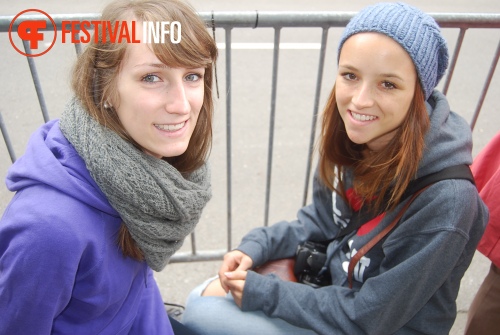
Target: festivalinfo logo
36	32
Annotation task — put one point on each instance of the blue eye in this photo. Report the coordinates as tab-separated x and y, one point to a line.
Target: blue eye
193	77
151	78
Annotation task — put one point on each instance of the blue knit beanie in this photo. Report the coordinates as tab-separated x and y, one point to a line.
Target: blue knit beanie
414	30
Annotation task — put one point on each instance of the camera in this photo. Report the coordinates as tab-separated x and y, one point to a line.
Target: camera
310	259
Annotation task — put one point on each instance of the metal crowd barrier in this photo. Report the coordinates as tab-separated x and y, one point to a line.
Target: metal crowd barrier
276	20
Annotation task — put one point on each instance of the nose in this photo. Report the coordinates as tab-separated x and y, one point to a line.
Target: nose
363	96
177	100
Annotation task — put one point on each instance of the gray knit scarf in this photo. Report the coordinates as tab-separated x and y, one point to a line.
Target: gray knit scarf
157	204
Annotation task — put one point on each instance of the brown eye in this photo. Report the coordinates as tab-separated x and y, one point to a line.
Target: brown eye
349	76
388	85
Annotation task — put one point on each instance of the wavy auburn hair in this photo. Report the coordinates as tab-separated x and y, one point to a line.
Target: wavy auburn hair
94	78
381	178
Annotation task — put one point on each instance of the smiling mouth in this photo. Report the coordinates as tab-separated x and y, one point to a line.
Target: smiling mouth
170	127
363	117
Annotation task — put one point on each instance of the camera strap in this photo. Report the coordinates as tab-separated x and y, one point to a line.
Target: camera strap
414	189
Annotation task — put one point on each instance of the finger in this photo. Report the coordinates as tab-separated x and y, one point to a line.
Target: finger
236	275
245	263
223	269
237	287
229	264
223	282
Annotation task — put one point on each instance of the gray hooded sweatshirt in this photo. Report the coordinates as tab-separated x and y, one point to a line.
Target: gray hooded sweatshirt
408	282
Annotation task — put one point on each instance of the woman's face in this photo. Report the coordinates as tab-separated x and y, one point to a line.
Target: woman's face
158	106
374	88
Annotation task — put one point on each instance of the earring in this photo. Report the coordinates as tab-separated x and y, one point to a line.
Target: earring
107	105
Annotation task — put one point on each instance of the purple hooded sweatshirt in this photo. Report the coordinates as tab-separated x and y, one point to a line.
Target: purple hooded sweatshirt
61	270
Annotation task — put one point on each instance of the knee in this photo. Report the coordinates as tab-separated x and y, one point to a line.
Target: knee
204	315
195	316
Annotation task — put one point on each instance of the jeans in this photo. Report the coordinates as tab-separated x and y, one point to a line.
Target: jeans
221	316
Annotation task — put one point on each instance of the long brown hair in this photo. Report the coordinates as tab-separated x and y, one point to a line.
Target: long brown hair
96	70
381	178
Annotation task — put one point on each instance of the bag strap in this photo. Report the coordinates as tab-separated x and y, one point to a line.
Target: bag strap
416	187
453	172
364	249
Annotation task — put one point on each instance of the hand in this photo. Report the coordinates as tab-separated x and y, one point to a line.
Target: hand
236	282
233	261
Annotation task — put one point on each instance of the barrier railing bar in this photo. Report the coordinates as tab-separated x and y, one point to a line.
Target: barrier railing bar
228	137
6	139
467	20
274	90
193	243
453	62
485	87
269	19
36	82
319	81
202	256
78	46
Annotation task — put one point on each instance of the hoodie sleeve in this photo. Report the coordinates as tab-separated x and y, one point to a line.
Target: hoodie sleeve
417	278
38	262
314	222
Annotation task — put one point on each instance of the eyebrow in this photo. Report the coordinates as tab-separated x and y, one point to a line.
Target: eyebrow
161	66
391	75
385	75
158	65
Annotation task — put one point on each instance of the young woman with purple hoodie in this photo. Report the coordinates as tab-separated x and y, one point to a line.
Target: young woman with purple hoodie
108	192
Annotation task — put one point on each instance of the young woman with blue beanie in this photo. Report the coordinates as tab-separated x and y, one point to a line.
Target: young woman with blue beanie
384	125
107	193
